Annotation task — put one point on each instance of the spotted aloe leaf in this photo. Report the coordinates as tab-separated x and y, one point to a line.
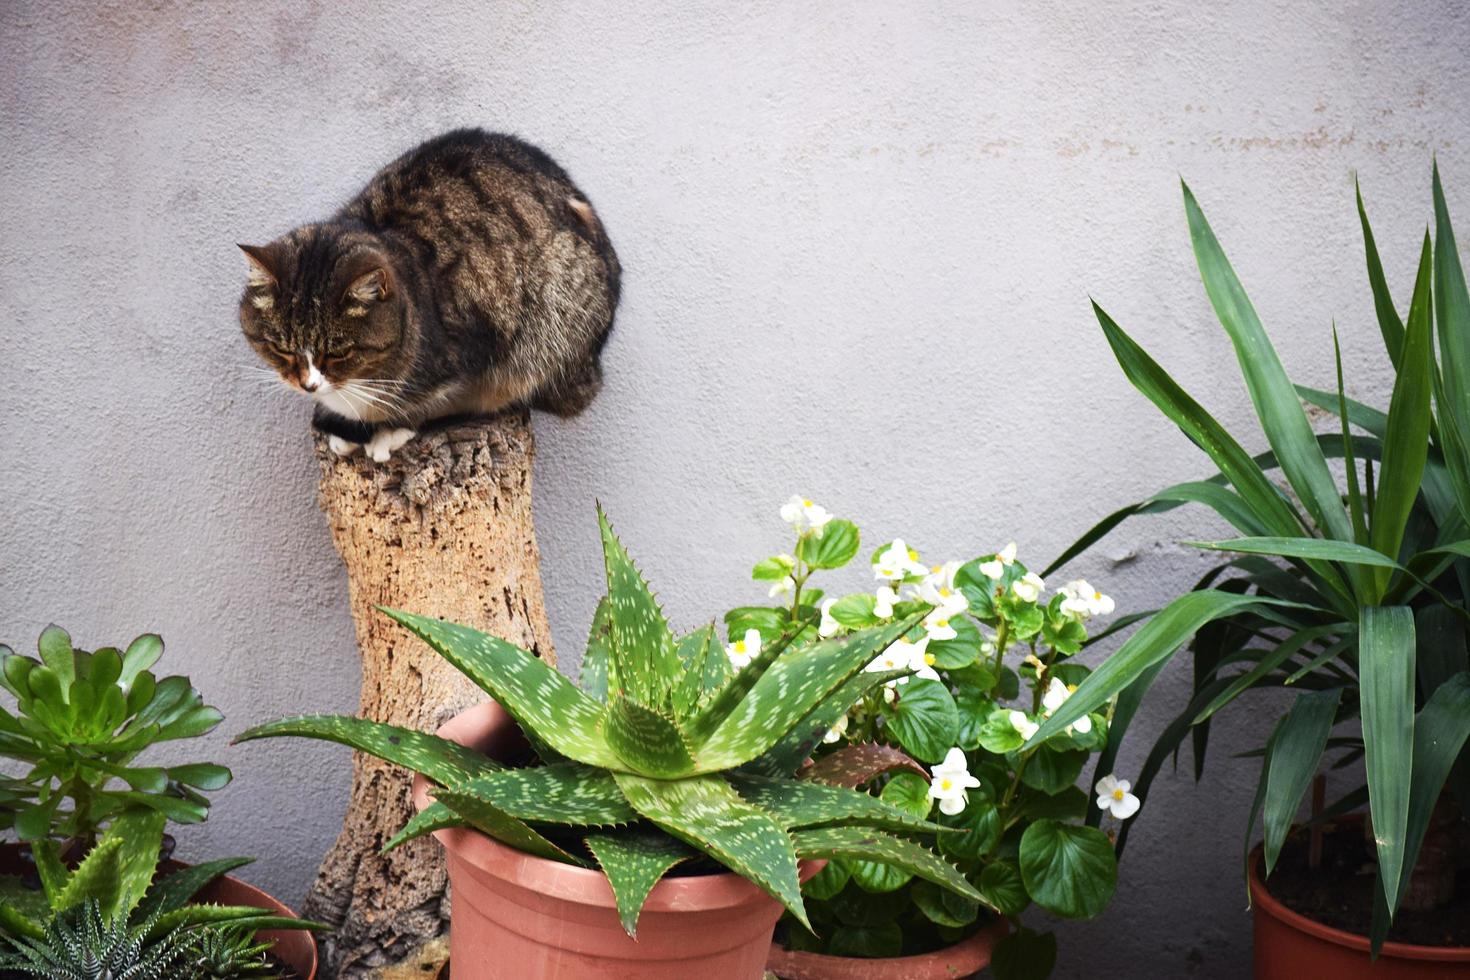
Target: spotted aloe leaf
853	765
708	815
634	862
96	879
438	758
863	844
435	816
173	890
797	745
598	656
648	741
490	819
566	793
141	832
717	703
643	658
546	704
798	803
783	695
705	668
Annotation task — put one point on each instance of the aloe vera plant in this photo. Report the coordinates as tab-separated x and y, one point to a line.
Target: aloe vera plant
1355	594
667	757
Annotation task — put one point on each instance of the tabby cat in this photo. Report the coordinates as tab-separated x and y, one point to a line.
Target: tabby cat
469	276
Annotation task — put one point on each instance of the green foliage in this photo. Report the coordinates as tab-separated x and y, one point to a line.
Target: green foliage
81	720
86	944
1357	599
665	753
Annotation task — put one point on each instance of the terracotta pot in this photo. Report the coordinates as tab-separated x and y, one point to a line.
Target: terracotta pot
965	957
1290	946
294	946
520	917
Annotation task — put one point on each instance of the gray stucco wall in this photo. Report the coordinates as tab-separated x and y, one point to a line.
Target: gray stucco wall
859	242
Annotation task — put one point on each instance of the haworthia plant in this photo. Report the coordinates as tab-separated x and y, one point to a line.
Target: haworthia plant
663	756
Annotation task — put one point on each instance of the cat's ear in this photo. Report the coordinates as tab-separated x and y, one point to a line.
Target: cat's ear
370	287
259	265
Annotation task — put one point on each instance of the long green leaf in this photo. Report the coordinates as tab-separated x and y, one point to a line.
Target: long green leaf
1406	443
1452	314
1440	731
1130	699
1386	666
1159	638
546	704
438	758
1389	324
804	803
1350	462
643	657
1318	548
634	862
1296	758
97	879
485	816
797	745
435	816
1268	662
708	815
566	793
173	890
1281	415
1370	420
864	844
597	658
647	740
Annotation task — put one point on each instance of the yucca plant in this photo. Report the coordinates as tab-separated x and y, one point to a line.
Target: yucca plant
1353	594
665	758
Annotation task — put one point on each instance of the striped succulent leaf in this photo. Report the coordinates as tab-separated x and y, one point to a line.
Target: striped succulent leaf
173	890
634	862
438	758
799	803
796	746
872	845
435	816
545	703
567	793
598	656
705	668
708	815
643	657
783	695
488	818
717	703
648	741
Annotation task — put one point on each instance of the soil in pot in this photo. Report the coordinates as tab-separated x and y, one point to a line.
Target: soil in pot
1339	892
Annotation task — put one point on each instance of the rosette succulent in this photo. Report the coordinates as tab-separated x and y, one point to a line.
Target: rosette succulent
664	755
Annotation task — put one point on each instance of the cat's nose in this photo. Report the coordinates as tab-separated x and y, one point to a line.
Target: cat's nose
311	384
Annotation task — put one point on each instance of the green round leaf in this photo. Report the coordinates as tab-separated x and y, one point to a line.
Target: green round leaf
771	569
961	651
837	546
860	909
828	882
980	823
974	708
998	735
1000	884
855	611
1051	771
768	622
1025	955
942	906
924	719
874	941
977	589
909	792
1069	870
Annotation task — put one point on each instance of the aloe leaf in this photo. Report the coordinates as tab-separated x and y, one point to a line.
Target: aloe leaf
716	705
1281	415
853	765
566	793
707	814
643	658
53	874
1406	442
244	917
173	891
795	684
1386	691
863	844
1296	758
140	832
490	819
803	803
797	745
438	758
435	816
705	668
545	703
648	741
14	922
1157	640
597	658
97	879
634	862
1389	324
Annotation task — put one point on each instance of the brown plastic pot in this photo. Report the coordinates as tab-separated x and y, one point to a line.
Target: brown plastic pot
294	947
969	955
519	917
1290	946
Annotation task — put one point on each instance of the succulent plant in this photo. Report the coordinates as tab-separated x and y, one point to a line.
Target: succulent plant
84	944
81	720
666	757
227	953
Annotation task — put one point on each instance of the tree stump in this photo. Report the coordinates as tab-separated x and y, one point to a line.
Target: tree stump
444	529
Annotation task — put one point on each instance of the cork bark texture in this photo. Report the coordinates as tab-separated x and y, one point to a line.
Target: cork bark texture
443	529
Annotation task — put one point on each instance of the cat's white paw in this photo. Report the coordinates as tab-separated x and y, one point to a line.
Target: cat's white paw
386	441
342	447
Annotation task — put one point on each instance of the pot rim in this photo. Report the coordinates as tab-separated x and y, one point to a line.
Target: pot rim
474	728
1272	906
985	938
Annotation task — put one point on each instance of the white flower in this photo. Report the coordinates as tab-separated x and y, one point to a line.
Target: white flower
1056	695
996	567
742	652
883	607
836	731
950	780
897	562
1113	796
785	586
937	624
1082	601
829	626
1021	723
803	515
905	655
938	586
1028	587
